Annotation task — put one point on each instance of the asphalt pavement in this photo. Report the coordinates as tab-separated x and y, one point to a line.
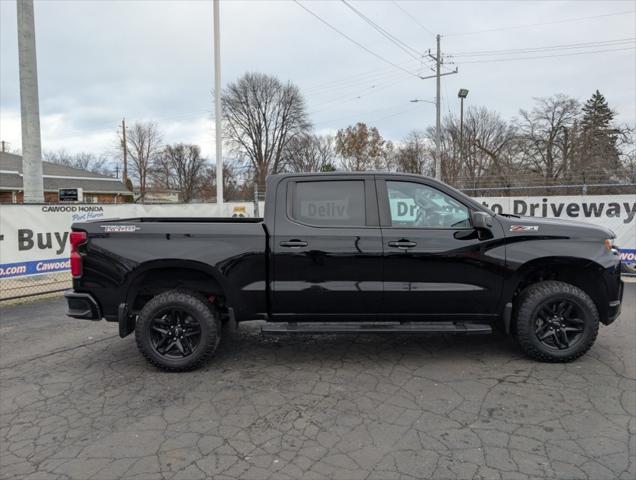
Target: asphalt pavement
78	402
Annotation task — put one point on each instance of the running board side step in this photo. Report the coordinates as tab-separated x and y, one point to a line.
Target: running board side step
314	328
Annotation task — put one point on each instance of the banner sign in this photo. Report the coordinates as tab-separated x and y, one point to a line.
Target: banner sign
616	212
34	238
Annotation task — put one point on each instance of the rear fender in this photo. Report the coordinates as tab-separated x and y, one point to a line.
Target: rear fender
163	275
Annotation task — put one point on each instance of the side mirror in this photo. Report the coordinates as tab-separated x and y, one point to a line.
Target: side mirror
481	220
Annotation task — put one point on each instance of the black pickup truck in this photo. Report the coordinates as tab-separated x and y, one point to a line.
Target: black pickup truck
348	253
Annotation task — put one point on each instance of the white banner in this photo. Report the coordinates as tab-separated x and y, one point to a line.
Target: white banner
34	238
616	212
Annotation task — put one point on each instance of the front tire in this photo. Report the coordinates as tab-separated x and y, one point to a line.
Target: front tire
178	330
556	322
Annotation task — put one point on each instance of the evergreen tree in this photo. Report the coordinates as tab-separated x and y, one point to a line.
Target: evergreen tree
598	152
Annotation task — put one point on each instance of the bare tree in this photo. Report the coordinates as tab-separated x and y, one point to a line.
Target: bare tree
627	147
412	155
488	148
185	161
235	184
484	153
310	153
162	174
545	133
144	147
262	116
83	160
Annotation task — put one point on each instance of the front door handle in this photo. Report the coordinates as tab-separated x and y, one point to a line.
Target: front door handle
294	243
402	244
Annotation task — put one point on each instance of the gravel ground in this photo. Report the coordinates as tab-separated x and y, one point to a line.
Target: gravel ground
78	402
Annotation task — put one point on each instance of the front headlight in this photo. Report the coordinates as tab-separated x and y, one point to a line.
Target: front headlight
609	245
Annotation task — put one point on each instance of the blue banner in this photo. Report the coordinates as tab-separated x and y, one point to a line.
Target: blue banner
628	256
35	267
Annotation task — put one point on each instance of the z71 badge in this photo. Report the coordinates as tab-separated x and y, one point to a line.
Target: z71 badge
120	228
524	228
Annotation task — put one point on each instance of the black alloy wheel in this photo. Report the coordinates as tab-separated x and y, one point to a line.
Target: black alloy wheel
175	333
178	330
559	324
555	321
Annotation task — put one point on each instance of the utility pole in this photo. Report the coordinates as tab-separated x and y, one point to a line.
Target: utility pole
217	106
438	110
33	184
3	149
125	147
438	107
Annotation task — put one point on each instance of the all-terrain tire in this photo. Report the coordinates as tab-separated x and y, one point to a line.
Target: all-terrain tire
192	304
530	303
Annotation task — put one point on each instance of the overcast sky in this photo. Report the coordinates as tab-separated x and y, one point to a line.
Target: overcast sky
99	61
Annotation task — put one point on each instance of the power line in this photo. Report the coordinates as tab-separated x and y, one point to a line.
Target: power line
549	56
339	32
392	38
530	25
402	112
359	114
415	20
567	46
353	83
364	93
356	80
366	74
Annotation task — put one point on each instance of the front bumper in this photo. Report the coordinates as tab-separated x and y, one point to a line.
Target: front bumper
82	305
614	309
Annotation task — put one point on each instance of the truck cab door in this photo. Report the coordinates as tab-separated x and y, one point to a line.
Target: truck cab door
326	249
436	265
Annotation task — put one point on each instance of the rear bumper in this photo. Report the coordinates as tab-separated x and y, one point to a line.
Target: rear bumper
82	305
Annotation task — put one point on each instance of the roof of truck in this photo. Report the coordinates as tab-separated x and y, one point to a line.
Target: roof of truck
341	172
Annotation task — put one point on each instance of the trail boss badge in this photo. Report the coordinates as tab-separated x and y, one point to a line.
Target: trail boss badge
524	228
120	228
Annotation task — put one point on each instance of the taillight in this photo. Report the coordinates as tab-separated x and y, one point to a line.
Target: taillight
77	239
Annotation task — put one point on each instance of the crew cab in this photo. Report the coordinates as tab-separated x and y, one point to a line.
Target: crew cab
348	253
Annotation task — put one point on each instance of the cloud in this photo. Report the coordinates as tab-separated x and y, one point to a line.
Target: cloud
101	61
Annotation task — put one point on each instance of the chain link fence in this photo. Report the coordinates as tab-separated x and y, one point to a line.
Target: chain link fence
16	284
528	184
15	288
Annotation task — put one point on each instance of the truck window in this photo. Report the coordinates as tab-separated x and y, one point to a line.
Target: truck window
337	203
414	205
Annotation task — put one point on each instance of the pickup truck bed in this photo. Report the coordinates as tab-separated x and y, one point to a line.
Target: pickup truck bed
130	260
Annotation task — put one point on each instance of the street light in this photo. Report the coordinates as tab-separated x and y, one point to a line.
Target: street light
417	100
463	93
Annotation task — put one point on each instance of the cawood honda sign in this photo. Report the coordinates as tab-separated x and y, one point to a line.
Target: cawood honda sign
34	238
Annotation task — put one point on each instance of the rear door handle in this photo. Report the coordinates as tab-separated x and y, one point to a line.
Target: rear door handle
294	243
402	244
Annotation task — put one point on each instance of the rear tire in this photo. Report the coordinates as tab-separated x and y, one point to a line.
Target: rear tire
178	330
556	322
